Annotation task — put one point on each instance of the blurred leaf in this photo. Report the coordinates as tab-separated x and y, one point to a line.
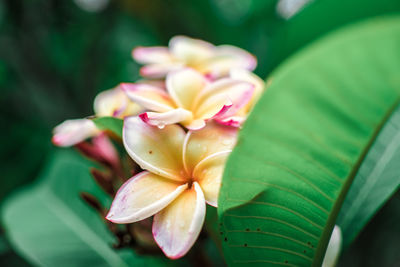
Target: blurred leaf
302	145
10	259
7	255
258	27
233	11
282	38
54	59
3	245
22	154
111	124
379	242
377	179
51	226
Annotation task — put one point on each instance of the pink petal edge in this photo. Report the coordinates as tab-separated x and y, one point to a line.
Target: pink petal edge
172	196
230	122
222	111
200	217
145	118
121	188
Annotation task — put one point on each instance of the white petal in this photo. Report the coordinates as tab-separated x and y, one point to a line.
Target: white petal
176	228
213	138
114	102
72	132
208	173
222	93
159	70
248	76
143	196
190	50
148	96
166	118
184	85
226	58
195	124
156	150
333	251
150	55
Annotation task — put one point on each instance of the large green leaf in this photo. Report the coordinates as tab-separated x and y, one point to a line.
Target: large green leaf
377	179
51	226
302	145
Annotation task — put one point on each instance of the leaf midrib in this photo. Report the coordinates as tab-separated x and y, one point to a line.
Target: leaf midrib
377	170
326	234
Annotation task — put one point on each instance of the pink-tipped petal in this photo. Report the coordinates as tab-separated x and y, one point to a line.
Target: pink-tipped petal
72	132
220	95
151	55
213	138
176	228
189	50
106	150
143	196
184	85
156	150
240	98
159	70
234	121
148	96
223	111
166	118
208	173
225	58
248	76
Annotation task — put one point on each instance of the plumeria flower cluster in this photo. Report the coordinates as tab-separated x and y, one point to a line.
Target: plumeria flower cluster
179	126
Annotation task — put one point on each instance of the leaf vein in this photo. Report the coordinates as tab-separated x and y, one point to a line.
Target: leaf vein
274	220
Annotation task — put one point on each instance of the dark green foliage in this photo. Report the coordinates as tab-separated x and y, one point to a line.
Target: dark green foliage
302	145
377	179
378	244
55	57
50	225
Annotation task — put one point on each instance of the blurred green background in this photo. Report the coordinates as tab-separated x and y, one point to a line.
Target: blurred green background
55	56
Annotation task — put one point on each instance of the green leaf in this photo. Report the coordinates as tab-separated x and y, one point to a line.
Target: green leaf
377	179
3	245
234	12
257	26
301	147
111	124
378	244
24	140
7	255
51	226
9	258
315	19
